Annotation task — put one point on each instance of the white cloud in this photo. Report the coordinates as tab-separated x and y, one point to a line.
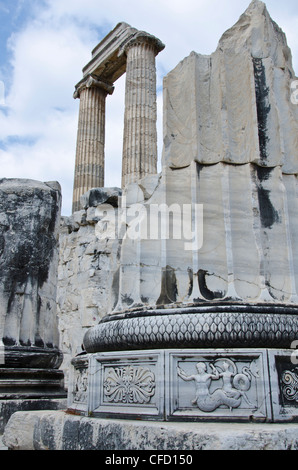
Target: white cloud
46	62
47	57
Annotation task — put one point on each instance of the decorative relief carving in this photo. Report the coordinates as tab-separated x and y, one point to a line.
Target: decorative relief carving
129	385
234	384
80	386
290	385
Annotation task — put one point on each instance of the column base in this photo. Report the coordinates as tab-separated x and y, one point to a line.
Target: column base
206	325
32	357
30	389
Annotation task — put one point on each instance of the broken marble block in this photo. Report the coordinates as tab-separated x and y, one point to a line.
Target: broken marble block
96	196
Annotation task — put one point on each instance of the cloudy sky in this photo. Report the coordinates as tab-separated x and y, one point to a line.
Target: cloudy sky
44	45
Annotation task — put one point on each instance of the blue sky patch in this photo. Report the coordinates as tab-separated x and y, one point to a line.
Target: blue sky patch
12	140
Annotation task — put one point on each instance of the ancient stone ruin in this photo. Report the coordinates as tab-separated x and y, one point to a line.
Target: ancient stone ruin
128	50
226	276
177	293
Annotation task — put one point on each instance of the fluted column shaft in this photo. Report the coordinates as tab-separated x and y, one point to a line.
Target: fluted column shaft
90	156
140	134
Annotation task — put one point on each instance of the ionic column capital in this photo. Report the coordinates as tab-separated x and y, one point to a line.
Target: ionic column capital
91	81
141	37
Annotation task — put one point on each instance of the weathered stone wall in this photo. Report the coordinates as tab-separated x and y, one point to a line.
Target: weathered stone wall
85	274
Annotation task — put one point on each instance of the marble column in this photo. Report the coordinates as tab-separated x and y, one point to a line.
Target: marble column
29	231
30	359
140	135
89	167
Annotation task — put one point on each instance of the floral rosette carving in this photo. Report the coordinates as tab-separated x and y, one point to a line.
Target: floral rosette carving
129	385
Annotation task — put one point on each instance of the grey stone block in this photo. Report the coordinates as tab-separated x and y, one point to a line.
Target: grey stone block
9	407
57	430
96	196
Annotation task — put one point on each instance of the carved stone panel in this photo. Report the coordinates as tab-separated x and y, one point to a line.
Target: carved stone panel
78	389
232	385
283	367
218	384
129	384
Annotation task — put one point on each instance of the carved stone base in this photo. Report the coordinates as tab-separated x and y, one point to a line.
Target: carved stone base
31	383
187	385
209	325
